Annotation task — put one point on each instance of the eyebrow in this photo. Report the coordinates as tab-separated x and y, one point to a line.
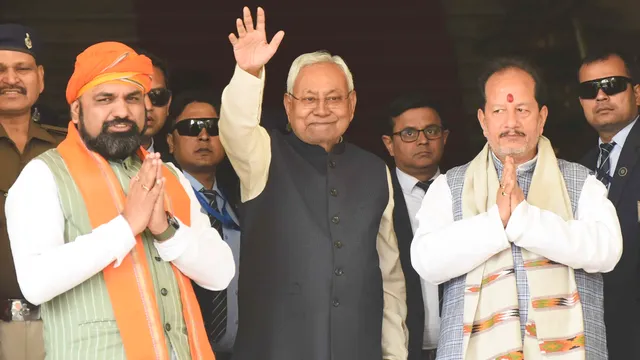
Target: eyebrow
315	92
108	94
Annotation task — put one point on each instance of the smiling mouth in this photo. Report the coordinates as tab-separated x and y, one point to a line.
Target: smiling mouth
12	92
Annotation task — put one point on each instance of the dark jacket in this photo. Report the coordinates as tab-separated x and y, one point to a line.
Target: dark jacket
621	286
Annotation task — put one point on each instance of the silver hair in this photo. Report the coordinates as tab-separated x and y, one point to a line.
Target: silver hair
315	58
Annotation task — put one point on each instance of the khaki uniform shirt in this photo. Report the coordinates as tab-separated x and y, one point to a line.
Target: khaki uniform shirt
40	138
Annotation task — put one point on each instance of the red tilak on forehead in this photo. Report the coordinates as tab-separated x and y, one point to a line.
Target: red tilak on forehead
509	98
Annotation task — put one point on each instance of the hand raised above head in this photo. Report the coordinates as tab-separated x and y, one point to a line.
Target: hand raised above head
250	47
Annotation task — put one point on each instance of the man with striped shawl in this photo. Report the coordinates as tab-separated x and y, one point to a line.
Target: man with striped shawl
105	236
518	237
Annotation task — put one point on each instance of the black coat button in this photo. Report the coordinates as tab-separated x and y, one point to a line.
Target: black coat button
167	327
332	164
164	292
339	272
334	192
335	219
158	258
337	244
336	303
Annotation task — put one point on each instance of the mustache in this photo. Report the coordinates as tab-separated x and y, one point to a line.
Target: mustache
118	121
19	89
512	133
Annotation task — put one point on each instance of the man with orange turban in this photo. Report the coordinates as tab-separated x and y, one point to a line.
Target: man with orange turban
105	236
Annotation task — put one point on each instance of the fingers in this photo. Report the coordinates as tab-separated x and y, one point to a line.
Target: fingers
240	28
148	173
248	21
275	41
159	169
233	39
157	189
260	21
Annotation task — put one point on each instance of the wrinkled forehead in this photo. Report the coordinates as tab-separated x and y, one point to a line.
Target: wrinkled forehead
511	86
321	78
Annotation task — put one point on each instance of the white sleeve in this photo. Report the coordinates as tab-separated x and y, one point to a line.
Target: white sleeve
46	266
593	241
198	251
443	249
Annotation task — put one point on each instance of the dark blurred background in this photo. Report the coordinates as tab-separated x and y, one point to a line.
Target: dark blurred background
391	47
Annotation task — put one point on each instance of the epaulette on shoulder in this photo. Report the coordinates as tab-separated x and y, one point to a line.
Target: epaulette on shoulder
55	130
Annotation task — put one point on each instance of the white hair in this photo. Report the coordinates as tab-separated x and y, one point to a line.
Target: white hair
316	58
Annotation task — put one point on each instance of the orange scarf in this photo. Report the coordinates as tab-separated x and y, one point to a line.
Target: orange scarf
137	317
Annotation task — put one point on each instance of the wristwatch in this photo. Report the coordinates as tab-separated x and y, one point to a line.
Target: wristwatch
174	225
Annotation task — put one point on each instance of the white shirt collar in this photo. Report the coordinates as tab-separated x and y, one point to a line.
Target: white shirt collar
622	135
408	182
197	185
150	148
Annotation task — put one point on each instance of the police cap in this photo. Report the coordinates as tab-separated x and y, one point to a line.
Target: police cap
19	38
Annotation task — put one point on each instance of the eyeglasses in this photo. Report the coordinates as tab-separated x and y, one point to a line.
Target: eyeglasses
159	97
310	101
610	85
432	132
193	127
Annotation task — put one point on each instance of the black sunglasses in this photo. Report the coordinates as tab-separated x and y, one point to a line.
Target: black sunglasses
610	85
159	97
193	127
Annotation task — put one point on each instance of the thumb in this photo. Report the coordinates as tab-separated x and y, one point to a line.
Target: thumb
275	41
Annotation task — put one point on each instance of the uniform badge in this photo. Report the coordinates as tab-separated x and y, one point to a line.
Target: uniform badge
27	42
623	171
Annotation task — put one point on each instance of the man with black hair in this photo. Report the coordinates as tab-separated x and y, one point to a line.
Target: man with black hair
21	139
416	140
610	94
195	145
160	100
518	237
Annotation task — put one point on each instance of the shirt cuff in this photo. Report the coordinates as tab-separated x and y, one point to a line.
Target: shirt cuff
517	222
173	248
497	228
119	235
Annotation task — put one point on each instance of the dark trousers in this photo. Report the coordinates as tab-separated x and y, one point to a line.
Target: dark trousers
429	354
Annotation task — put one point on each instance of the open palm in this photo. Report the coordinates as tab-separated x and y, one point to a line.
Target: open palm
250	47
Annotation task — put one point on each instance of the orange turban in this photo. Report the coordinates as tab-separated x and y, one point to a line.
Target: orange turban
108	61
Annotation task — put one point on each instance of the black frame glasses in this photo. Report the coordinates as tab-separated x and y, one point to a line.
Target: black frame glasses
610	85
431	132
193	127
159	97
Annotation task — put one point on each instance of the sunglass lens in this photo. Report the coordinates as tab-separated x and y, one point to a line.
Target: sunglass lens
187	128
589	89
614	86
159	97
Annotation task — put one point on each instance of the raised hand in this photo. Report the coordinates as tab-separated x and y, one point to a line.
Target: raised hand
144	189
517	196
250	47
158	222
507	186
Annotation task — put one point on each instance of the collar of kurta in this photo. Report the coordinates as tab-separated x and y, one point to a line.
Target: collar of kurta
309	149
35	131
